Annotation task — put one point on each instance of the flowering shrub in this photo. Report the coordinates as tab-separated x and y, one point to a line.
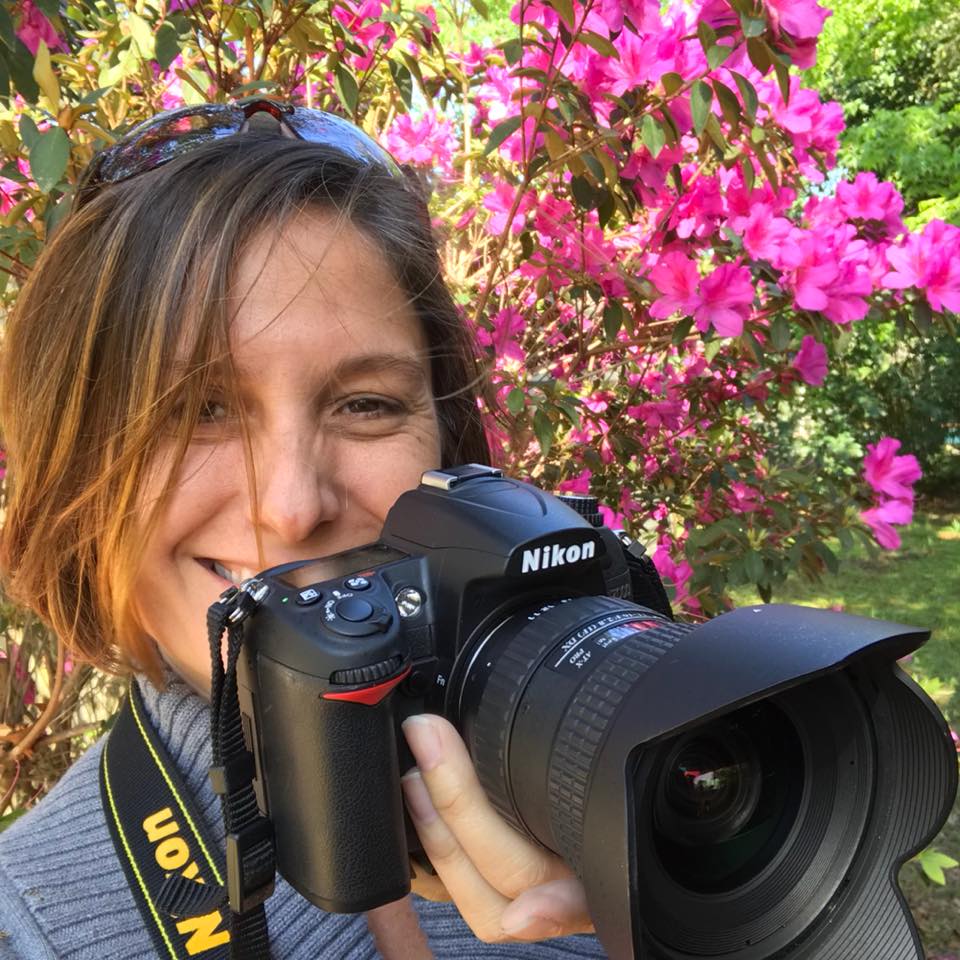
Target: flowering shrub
623	195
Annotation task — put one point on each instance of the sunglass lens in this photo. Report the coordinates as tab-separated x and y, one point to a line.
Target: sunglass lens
161	140
330	129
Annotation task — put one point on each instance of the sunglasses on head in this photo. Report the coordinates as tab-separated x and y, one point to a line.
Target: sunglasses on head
176	132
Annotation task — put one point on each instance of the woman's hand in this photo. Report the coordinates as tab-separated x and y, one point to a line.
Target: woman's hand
505	886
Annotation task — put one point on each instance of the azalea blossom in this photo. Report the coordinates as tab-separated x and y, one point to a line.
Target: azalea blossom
811	361
881	519
889	473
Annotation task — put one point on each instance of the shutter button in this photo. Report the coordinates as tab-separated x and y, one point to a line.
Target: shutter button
354	609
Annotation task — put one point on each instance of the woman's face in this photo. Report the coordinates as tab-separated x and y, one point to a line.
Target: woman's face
335	382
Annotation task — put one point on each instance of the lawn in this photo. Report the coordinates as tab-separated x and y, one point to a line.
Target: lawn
918	585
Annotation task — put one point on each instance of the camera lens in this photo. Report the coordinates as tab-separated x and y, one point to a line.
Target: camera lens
727	794
708	788
739	830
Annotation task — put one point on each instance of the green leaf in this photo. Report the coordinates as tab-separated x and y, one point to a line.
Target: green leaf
707	35
672	82
729	104
516	401
783	78
681	330
565	9
345	83
652	135
753	565
601	44
933	863
8	35
403	81
748	94
752	26
500	133
20	61
481	8
759	54
612	320
780	333
717	54
512	51
48	158
167	45
29	133
142	36
49	8
543	427
584	193
701	96
4	88
9	818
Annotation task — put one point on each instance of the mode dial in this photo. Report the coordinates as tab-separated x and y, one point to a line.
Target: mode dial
587	507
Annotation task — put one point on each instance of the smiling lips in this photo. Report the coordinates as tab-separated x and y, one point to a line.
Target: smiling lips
233	575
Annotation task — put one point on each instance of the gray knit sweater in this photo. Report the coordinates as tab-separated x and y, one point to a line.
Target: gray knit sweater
64	896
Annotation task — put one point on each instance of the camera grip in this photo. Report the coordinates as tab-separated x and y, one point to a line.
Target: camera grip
333	791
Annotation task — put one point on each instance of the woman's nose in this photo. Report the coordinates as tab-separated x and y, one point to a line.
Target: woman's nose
297	489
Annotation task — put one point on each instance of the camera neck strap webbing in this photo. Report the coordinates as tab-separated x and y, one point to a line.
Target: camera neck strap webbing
193	902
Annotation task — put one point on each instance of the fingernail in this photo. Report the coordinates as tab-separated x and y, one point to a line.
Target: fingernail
529	927
424	740
418	797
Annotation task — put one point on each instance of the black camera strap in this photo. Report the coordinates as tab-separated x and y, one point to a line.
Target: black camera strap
193	904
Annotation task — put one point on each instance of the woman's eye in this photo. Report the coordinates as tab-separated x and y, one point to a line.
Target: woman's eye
213	411
370	407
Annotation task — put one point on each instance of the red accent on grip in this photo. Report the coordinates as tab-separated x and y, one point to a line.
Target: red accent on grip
369	695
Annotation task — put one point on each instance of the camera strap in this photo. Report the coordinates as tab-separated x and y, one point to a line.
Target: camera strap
193	903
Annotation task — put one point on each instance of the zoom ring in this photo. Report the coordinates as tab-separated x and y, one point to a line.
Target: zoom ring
584	726
491	730
520	653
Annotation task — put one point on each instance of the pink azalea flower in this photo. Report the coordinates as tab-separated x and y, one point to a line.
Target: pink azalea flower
427	140
764	235
726	296
34	27
743	498
811	361
580	484
889	473
869	199
499	201
677	278
508	325
881	518
931	262
799	18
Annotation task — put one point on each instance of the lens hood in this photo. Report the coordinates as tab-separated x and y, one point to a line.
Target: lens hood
887	773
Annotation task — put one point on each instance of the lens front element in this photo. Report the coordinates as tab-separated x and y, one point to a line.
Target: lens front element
727	794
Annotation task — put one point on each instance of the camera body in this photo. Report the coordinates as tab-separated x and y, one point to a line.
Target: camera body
742	788
346	647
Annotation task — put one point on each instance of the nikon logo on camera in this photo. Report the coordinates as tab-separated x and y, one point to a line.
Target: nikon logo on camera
556	555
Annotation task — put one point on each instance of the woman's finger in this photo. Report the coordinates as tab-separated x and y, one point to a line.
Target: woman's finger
507	860
558	908
478	902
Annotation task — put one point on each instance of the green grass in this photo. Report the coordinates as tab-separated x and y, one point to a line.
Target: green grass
919	584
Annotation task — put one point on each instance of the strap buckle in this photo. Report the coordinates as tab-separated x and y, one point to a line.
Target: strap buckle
247	866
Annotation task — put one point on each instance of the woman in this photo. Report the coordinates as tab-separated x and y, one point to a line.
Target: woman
237	351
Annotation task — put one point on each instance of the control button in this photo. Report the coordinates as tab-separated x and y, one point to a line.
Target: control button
354	609
308	596
357	583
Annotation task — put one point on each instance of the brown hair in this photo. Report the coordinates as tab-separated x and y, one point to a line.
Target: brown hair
86	389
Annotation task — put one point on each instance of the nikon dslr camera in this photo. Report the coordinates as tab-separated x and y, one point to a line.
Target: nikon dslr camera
745	788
